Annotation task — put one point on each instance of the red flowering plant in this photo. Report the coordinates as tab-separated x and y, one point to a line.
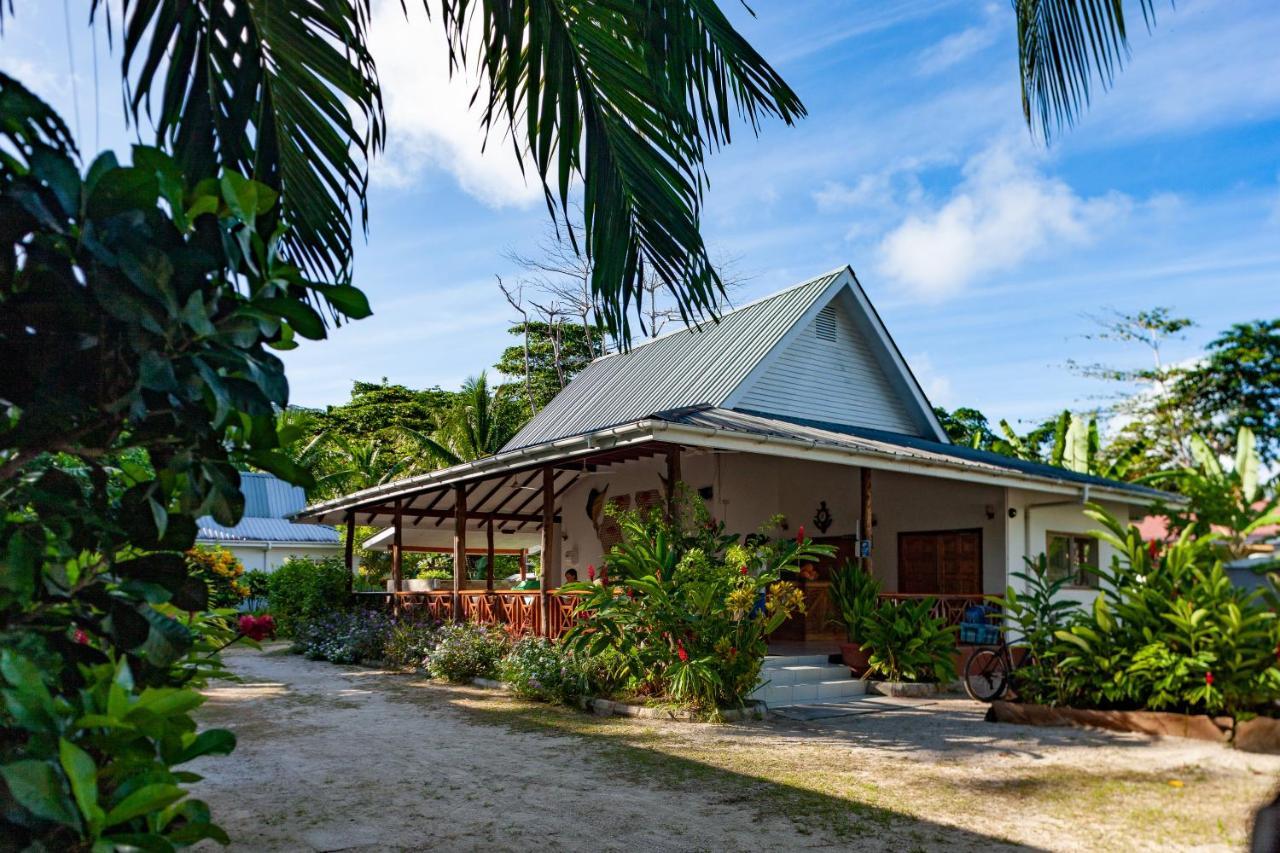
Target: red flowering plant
689	606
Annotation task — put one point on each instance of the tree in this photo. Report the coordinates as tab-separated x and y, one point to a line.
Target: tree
966	427
478	424
547	366
1237	386
378	406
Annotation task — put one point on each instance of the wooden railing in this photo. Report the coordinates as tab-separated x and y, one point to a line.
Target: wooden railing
948	607
519	612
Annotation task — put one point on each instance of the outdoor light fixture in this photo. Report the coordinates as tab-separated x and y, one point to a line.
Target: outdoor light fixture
991	511
1013	512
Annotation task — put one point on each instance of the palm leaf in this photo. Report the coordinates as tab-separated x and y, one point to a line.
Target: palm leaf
282	90
627	97
1065	47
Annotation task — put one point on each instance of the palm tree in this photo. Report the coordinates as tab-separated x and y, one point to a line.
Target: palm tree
477	425
342	464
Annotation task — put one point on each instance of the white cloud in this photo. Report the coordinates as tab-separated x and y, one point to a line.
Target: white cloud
969	42
937	387
1002	213
430	123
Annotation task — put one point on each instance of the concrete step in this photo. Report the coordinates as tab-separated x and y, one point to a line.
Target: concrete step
795	660
803	673
816	693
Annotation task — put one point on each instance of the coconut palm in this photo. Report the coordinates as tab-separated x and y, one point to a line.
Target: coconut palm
478	424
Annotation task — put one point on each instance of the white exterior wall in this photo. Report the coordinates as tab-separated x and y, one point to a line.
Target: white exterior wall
1061	517
825	380
266	558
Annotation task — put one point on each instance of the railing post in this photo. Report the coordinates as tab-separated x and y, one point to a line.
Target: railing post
459	547
490	556
349	552
396	547
548	542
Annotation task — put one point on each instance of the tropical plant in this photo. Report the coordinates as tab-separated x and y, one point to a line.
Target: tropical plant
542	669
222	572
686	607
856	595
434	574
477	424
100	766
1169	630
1034	615
906	642
408	641
343	636
303	589
466	650
1231	503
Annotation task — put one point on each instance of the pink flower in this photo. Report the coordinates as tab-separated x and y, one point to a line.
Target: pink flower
1153	549
1208	678
80	637
591	573
681	653
257	627
743	570
800	535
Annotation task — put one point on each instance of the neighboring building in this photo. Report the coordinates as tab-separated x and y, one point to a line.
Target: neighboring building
799	404
265	536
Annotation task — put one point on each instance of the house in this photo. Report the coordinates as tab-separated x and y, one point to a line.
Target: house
265	536
800	404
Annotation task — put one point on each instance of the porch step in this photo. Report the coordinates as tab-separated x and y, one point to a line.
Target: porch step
805	680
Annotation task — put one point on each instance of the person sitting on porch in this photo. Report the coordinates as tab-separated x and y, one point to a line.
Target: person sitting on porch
571	576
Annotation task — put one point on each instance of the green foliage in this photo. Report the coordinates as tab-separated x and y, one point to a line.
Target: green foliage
434	574
538	668
407	643
377	407
466	650
856	596
1033	617
545	376
966	427
904	641
343	636
96	766
681	606
219	569
1168	631
1237	386
258	583
304	589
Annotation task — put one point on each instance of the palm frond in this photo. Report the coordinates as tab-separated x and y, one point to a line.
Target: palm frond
628	97
284	91
1065	47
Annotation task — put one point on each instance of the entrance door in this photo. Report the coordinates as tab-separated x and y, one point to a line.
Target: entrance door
940	562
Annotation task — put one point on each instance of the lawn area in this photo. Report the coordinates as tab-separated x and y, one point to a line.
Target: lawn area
337	758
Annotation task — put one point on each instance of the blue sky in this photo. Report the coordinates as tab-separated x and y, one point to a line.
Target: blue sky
982	249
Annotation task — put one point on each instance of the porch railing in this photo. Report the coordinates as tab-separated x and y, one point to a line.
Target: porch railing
519	612
948	607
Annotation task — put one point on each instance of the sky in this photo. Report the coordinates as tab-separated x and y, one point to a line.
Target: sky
984	250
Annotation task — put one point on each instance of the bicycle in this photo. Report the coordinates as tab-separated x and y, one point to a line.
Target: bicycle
989	671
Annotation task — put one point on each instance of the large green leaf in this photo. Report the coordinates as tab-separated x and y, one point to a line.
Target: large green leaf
36	786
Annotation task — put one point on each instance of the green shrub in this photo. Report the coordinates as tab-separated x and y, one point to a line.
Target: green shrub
343	636
465	650
305	589
537	668
856	595
434	574
221	571
258	582
904	641
98	767
1034	616
407	643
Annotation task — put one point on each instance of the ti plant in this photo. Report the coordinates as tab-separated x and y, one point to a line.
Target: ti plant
905	641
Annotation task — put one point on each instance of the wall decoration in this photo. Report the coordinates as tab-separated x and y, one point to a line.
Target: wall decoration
822	518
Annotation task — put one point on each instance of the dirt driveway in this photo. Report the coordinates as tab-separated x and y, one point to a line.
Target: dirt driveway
347	758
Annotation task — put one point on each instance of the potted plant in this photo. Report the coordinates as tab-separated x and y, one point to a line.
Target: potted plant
910	649
856	595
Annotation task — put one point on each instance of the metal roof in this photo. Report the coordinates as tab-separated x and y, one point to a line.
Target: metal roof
267	502
911	447
686	367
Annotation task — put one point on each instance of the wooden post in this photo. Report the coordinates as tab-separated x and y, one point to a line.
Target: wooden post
491	556
548	542
524	563
673	481
867	518
396	550
459	546
349	552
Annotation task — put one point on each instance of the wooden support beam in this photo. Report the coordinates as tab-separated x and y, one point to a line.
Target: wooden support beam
490	555
673	483
440	494
348	551
548	543
524	563
396	545
867	516
480	517
560	491
515	491
467	491
441	549
459	546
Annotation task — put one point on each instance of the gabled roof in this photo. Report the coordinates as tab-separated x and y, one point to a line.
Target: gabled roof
712	364
268	501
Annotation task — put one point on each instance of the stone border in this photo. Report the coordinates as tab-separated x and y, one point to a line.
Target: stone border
605	707
905	689
1161	723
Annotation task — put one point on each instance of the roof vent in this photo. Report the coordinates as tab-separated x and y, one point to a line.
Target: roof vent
827	323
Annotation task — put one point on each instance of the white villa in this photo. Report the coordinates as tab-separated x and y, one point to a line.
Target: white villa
799	404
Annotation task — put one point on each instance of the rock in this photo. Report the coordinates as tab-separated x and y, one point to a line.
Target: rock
1261	734
1161	723
903	688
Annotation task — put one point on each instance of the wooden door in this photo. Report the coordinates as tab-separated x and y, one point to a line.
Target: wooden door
940	562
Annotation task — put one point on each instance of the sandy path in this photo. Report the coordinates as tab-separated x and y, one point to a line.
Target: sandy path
341	758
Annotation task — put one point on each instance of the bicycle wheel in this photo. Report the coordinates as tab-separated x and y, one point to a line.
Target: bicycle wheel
986	675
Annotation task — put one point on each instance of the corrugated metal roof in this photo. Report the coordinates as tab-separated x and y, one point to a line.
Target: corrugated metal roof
878	441
683	368
264	530
267	496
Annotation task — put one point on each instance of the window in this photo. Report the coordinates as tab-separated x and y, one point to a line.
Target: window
827	323
1073	556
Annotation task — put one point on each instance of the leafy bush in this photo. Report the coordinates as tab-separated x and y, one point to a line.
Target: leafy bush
538	668
1034	616
1168	631
856	595
906	642
94	767
465	650
687	608
258	582
344	636
221	571
434	574
305	589
407	643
